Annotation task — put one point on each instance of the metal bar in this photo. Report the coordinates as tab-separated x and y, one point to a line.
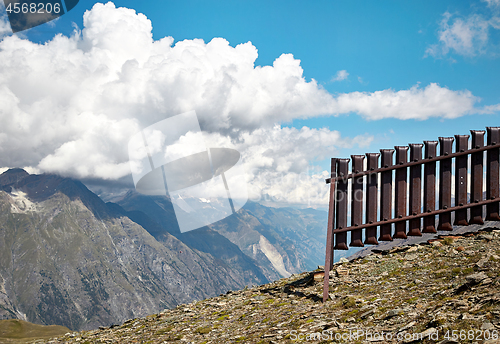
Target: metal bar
400	192
371	198
410	217
476	192
386	196
341	239
329	233
357	201
445	148
492	173
395	167
430	186
462	144
415	189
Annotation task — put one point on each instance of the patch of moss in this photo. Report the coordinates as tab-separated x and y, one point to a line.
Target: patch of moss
349	302
448	241
203	330
164	330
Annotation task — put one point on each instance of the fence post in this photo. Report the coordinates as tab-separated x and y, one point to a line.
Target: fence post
357	201
415	189
492	173
386	196
400	192
331	226
476	192
462	144
445	148
430	187
341	238
371	198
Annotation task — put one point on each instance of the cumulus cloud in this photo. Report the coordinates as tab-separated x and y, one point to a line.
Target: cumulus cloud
70	105
341	75
279	161
415	103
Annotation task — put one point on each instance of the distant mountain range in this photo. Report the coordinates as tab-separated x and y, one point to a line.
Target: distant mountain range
68	258
282	241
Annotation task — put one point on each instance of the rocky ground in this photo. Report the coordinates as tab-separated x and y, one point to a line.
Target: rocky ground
443	291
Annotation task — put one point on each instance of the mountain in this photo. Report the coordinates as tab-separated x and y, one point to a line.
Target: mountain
281	241
68	258
292	240
444	292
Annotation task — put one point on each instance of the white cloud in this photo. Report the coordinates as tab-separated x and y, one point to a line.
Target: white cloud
493	3
341	75
279	162
5	29
415	103
71	105
467	36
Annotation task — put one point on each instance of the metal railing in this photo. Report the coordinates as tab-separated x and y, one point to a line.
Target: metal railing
372	189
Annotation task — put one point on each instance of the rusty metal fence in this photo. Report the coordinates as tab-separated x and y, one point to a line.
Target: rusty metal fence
369	190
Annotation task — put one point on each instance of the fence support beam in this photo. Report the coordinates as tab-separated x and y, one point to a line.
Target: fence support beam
430	187
445	148
476	192
462	144
357	201
400	192
371	198
341	238
386	196
492	173
415	189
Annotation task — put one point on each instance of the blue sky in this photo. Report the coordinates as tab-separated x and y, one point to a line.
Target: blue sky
363	51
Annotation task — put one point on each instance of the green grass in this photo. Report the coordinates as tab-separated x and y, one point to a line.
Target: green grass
22	330
447	241
349	302
203	330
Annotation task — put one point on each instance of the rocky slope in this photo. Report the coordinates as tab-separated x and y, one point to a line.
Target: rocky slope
412	294
68	258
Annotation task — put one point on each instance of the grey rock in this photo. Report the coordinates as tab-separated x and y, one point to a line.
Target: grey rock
476	278
484	237
488	326
394	312
367	313
429	331
408	326
259	297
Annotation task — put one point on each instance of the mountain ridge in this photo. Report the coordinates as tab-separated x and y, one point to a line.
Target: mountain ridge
70	259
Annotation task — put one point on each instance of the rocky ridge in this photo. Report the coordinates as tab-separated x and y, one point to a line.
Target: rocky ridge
441	291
